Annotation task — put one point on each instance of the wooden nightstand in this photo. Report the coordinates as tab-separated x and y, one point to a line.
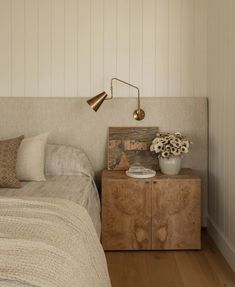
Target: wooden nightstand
162	212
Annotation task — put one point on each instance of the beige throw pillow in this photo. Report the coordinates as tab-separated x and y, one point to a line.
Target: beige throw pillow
8	156
31	158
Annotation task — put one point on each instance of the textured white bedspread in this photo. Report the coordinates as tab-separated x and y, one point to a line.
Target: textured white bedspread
77	188
49	243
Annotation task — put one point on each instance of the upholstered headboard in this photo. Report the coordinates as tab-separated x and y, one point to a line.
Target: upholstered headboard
72	122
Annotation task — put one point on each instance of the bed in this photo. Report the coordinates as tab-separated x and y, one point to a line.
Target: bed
77	188
50	230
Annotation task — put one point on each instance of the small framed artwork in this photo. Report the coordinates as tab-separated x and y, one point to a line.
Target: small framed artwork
129	145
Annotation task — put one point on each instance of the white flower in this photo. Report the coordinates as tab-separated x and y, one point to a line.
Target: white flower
178	134
177	152
173	149
173	143
163	148
165	154
184	149
167	138
164	141
152	147
185	143
171	137
168	147
156	141
177	140
176	143
158	147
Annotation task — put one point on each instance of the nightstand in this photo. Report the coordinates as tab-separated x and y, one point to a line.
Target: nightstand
160	213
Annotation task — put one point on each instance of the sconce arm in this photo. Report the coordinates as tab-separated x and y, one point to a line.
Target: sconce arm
116	79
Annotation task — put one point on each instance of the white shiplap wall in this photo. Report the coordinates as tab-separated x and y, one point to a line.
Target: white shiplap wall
221	93
73	47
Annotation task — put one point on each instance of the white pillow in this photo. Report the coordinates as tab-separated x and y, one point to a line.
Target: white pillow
31	158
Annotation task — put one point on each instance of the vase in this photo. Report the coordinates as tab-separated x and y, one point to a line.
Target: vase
170	166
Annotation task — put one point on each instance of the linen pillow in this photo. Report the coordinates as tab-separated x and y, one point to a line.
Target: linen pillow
31	158
8	156
67	160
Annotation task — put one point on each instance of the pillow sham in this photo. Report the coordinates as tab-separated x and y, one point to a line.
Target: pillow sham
31	158
8	157
66	160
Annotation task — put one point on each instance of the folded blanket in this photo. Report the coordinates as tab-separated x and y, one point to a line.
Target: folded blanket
49	243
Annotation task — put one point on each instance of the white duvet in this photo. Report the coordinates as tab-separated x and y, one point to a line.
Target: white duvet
49	243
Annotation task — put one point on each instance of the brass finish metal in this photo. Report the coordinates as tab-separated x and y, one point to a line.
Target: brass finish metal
139	115
97	101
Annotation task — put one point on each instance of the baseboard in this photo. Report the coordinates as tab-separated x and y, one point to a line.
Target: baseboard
224	245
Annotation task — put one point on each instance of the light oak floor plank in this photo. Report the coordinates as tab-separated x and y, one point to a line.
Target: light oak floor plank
218	263
204	268
162	269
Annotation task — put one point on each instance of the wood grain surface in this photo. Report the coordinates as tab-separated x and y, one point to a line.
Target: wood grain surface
176	214
128	145
126	215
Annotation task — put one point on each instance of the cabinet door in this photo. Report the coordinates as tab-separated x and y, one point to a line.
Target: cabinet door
176	214
126	214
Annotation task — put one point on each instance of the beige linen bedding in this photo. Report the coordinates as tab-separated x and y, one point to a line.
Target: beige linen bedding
77	188
49	243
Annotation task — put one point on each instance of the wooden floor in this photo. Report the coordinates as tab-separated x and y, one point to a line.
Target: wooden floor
205	268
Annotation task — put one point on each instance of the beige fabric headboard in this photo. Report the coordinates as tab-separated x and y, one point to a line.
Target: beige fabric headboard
72	122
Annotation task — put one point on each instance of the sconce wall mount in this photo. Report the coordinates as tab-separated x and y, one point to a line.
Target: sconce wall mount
97	101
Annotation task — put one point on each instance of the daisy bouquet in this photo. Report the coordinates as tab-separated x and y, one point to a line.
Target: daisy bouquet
167	145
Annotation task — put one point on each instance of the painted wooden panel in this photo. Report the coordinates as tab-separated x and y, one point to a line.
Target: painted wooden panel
18	48
97	46
129	145
200	48
221	90
84	48
73	48
110	43
149	25
187	48
5	46
31	48
44	48
230	112
123	47
136	45
58	48
162	48
175	34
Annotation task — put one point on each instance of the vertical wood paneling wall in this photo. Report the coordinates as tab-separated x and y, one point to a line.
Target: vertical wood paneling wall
221	93
71	48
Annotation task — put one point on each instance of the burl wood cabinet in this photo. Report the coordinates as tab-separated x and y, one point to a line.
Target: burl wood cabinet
162	212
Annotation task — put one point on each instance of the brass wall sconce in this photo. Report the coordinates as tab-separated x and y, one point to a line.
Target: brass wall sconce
97	101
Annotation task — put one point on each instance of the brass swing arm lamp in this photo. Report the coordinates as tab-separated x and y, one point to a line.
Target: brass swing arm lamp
97	101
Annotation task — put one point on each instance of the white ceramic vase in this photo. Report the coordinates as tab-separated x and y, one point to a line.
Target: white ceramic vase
170	166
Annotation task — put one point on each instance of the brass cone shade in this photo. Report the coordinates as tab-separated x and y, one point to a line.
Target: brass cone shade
97	101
